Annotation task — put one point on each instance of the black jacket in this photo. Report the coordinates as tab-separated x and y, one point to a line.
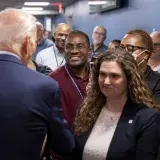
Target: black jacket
138	140
153	80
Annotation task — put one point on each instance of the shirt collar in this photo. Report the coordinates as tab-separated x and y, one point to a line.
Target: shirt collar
87	71
9	53
102	45
56	50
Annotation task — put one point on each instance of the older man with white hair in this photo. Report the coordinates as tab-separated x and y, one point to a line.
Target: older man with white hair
99	35
42	41
154	60
29	101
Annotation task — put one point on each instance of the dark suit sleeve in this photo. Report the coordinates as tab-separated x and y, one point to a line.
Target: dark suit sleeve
60	138
148	139
156	93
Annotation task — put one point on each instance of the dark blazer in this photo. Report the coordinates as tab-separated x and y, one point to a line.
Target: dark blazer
153	81
138	140
29	109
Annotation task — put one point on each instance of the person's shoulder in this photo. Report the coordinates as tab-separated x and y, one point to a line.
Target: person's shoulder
39	77
46	51
58	73
49	42
153	74
146	114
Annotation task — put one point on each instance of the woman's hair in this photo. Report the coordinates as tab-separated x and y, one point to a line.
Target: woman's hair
92	105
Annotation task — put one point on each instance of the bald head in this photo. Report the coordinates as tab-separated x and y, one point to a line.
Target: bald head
64	27
156	43
99	35
100	28
155	37
61	33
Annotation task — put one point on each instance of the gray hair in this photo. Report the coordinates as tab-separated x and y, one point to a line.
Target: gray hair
15	26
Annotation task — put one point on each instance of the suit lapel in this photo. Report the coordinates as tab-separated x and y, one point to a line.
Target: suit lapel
118	145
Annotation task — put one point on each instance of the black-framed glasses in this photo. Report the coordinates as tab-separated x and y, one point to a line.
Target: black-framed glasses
75	46
131	48
101	34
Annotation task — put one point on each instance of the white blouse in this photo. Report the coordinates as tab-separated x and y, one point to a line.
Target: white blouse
97	145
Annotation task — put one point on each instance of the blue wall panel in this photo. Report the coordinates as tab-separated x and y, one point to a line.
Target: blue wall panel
143	14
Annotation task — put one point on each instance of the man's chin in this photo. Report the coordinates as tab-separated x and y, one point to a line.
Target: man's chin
77	65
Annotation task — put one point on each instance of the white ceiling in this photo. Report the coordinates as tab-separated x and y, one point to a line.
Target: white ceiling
52	8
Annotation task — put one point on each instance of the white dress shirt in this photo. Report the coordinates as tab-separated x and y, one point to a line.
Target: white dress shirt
50	57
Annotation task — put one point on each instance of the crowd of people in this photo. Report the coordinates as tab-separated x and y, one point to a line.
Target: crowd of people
70	99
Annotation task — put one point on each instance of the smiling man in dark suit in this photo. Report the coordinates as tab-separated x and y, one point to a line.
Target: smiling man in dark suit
29	102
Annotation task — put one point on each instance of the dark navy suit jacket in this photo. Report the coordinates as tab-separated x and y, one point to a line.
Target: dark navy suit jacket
29	109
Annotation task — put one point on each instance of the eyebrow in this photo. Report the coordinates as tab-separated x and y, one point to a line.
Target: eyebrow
103	72
70	43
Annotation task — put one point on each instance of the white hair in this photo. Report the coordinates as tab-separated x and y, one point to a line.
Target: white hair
15	26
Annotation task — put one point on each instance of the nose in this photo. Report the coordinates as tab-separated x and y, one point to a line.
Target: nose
63	37
107	80
75	50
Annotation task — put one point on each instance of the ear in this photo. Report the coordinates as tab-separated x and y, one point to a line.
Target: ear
54	34
89	50
25	50
148	55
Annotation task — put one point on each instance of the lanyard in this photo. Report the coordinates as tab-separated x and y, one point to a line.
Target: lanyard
57	58
73	81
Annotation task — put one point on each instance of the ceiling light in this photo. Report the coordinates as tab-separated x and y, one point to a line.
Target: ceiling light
32	8
96	2
36	3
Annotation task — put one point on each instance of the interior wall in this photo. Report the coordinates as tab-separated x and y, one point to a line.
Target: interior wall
143	14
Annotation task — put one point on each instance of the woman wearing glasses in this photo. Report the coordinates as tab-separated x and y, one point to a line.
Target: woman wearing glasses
116	120
140	45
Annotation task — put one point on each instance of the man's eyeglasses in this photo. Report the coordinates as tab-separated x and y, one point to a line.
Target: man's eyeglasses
76	46
101	34
131	48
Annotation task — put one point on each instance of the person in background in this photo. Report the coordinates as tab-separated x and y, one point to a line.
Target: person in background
98	36
139	43
42	41
154	60
118	118
53	56
47	34
29	102
114	44
74	75
39	68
